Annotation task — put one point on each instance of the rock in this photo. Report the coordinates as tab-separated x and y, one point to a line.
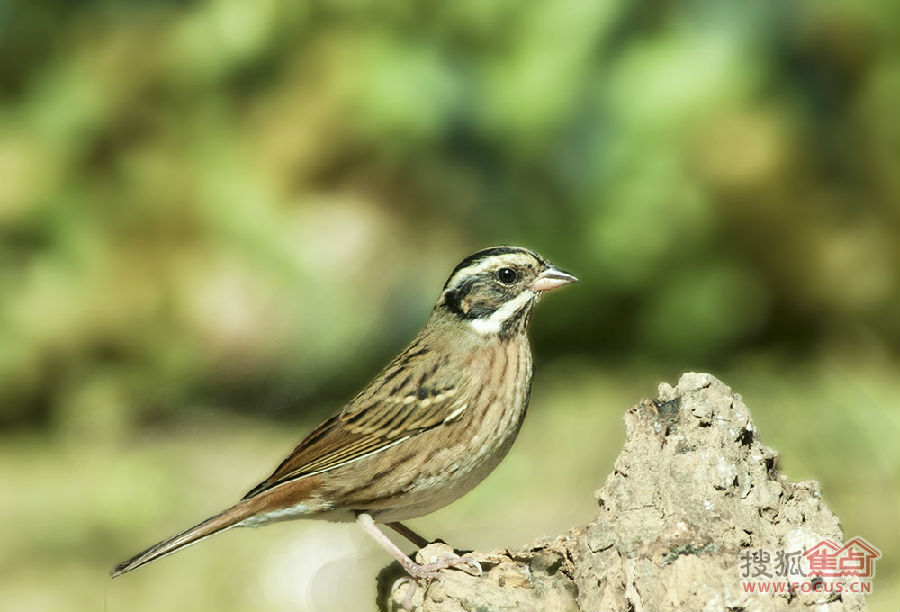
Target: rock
692	491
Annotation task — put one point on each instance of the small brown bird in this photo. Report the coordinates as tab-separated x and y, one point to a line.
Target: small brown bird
432	425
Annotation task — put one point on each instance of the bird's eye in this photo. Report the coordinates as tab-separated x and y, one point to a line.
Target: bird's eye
507	276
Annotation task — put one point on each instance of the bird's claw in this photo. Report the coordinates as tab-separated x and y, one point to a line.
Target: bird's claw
430	571
473	563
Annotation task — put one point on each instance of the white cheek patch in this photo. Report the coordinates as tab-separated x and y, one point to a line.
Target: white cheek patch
493	323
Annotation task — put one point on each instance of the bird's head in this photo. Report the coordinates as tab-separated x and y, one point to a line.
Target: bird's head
494	290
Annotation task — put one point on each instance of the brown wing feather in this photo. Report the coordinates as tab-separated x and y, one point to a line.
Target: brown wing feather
412	394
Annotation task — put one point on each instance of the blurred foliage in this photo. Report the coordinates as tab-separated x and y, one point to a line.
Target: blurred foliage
243	208
202	200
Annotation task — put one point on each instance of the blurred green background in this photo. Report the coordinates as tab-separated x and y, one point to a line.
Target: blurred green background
218	219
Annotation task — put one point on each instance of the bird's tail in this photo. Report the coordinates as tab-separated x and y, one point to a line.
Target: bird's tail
213	525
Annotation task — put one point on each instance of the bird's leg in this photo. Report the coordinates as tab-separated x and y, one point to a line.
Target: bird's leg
409	534
416	570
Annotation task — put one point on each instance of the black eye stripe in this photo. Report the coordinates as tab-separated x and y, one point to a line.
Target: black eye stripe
474	309
455	297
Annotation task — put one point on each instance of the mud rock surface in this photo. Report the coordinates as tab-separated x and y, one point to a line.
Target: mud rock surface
693	492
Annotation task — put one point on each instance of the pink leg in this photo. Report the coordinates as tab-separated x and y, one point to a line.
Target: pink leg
416	570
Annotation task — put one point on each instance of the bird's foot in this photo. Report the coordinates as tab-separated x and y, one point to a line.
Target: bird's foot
429	571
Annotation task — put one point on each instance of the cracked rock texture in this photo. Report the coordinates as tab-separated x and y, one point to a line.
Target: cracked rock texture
692	490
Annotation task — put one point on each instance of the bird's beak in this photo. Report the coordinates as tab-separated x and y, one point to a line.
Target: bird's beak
551	279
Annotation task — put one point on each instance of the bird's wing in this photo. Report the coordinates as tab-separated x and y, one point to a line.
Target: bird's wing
400	403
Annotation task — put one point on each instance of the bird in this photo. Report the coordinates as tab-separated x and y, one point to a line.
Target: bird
430	426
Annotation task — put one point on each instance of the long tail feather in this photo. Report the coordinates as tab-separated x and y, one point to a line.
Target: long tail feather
214	524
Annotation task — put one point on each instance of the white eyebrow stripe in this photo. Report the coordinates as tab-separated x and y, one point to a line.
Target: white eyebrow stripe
493	323
494	261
